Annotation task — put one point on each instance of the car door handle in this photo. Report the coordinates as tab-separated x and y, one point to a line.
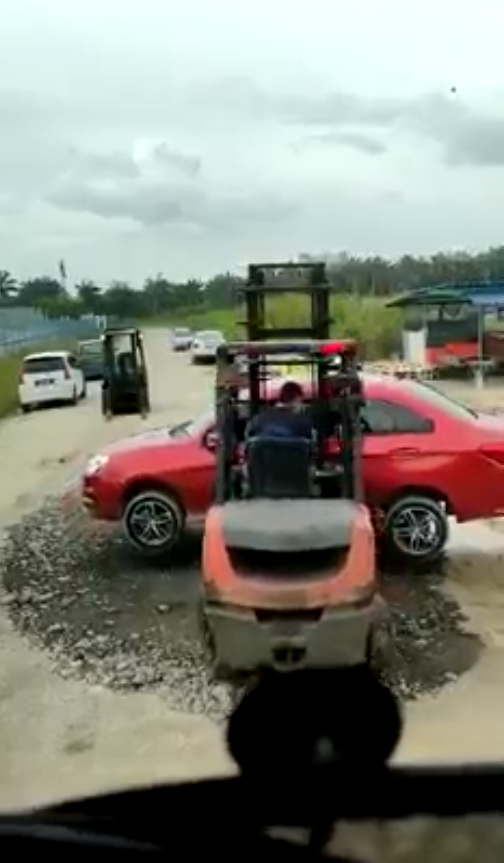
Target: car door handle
405	452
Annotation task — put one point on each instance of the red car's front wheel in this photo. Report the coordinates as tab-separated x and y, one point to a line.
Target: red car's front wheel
153	522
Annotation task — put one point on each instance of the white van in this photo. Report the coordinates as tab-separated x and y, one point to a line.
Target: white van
53	376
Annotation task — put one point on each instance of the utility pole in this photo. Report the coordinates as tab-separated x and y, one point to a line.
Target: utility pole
63	276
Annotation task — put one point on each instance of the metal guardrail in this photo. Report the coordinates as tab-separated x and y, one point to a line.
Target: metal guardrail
15	340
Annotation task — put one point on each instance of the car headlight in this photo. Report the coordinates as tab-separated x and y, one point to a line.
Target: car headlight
95	465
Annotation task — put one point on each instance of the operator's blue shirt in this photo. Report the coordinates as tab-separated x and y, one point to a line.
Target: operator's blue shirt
279	422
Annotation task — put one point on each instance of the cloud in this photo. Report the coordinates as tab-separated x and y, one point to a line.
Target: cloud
367	144
115	186
126	201
464	133
150	204
155	188
106	166
339	109
161	187
186	163
466	136
23	109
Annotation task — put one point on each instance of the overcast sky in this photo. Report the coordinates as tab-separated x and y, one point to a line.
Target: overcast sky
139	136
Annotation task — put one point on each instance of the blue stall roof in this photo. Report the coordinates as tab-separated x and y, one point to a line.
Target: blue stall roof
477	293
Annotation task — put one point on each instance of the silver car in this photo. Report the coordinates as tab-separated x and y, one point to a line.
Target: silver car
182	338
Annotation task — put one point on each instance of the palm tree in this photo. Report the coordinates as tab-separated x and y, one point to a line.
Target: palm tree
8	286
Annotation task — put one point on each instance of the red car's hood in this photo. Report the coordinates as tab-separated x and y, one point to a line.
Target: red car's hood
153	437
492	422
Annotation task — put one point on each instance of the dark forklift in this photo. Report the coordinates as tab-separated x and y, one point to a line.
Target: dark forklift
289	566
125	387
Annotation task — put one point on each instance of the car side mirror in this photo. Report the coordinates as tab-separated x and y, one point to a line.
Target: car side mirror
211	440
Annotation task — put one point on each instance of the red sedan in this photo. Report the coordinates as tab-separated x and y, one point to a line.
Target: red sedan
425	457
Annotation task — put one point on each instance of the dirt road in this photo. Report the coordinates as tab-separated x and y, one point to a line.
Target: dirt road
61	737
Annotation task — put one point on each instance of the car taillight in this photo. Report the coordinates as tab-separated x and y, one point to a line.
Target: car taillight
493	452
338	347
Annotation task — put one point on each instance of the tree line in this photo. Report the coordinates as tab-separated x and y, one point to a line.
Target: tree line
160	295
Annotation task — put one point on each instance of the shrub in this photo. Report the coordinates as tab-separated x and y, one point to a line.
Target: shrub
377	329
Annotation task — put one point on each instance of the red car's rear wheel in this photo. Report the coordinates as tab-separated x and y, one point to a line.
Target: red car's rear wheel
415	531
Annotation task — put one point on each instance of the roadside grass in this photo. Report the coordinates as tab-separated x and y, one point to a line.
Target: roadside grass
9	372
377	328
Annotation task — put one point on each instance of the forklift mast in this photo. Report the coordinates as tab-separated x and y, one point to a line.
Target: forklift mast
302	279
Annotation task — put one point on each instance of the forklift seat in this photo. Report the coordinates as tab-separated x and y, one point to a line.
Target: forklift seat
126	364
279	468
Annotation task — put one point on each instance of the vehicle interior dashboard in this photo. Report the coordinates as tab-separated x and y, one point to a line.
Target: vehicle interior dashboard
392	815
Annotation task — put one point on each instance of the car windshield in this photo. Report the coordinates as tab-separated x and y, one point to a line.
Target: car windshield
443	402
150	160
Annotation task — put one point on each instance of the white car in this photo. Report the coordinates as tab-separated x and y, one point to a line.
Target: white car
205	344
53	376
182	339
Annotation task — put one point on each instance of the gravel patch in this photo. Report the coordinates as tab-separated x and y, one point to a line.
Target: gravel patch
103	616
426	641
109	618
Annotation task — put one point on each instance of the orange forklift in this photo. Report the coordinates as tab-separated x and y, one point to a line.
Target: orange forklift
289	563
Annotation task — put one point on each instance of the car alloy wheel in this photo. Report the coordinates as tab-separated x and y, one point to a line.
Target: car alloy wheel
416	529
153	522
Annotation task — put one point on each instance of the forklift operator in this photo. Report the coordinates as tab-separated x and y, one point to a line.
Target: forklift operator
286	419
